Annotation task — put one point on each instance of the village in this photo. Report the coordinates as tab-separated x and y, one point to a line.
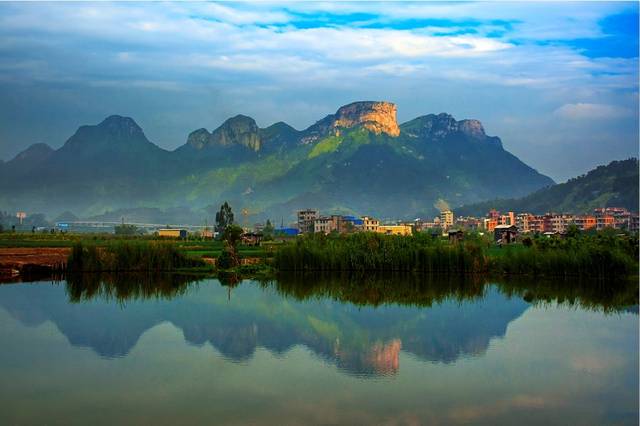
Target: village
505	227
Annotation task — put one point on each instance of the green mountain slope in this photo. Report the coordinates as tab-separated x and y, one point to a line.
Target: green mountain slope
613	185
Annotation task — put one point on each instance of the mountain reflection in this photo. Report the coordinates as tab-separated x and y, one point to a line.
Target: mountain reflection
359	324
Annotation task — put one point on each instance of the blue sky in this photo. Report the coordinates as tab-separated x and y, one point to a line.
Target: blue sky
558	82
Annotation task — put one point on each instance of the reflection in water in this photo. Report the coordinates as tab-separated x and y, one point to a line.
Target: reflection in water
363	336
362	339
377	327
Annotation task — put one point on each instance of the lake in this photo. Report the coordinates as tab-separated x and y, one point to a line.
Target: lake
307	351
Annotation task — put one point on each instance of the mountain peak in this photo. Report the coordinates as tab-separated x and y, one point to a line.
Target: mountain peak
120	126
238	130
378	117
442	125
35	152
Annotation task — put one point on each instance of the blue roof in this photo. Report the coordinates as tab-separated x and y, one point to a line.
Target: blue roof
287	231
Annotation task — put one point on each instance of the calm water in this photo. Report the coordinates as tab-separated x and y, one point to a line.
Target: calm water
300	353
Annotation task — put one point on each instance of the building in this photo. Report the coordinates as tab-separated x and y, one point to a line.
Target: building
522	222
505	234
370	224
560	223
395	229
350	224
605	221
584	223
172	233
251	238
326	224
286	232
446	219
306	219
207	233
490	224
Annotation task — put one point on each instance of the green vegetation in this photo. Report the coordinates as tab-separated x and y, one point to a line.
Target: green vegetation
326	145
139	256
600	255
224	217
613	185
595	255
376	252
126	229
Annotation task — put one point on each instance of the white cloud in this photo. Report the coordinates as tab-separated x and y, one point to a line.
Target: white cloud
587	111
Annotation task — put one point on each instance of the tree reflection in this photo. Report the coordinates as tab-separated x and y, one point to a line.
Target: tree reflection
130	286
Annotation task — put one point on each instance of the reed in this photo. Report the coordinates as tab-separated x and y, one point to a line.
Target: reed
130	256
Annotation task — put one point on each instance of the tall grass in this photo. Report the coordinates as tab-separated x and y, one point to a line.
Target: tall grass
376	252
128	256
596	256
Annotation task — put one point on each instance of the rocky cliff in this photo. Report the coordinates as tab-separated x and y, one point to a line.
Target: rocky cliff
377	117
238	130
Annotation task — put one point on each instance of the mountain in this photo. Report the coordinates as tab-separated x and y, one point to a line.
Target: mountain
613	185
357	160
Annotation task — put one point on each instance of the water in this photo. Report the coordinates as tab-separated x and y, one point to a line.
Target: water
298	352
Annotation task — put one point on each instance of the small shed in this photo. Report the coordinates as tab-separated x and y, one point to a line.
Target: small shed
172	233
455	235
505	234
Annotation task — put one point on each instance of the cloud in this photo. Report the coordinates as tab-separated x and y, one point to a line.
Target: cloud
587	111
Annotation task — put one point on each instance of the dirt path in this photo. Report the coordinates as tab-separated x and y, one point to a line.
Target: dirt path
18	261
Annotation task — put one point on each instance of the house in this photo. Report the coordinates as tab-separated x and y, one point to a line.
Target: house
370	224
251	238
172	233
505	234
395	229
455	235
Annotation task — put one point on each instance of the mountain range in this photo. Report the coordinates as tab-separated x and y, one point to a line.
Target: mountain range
358	160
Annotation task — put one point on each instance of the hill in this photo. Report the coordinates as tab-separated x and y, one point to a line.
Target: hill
613	185
356	160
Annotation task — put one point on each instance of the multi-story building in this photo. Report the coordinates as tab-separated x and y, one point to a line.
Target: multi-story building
522	222
306	219
370	224
605	221
325	224
490	224
469	223
446	218
559	223
585	222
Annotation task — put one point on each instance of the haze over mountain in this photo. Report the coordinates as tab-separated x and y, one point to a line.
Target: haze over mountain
357	160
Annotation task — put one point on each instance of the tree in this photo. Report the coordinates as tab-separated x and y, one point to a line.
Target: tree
229	257
125	229
224	217
268	231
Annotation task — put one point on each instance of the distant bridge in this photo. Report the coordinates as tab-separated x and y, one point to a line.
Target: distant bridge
105	224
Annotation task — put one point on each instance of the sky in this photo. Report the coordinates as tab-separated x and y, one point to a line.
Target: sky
557	82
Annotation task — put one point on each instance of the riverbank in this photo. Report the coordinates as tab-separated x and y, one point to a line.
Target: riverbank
601	255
